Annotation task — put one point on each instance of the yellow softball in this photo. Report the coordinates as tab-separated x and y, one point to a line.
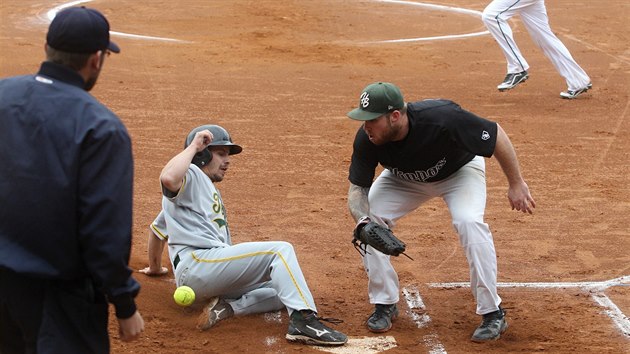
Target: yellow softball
184	296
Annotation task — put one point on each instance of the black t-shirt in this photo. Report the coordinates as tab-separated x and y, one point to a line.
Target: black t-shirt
442	138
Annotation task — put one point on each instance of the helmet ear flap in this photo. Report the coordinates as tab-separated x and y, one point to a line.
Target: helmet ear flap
202	158
221	138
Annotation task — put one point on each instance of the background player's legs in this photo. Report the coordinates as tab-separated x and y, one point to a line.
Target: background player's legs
465	195
389	198
239	268
495	16
537	24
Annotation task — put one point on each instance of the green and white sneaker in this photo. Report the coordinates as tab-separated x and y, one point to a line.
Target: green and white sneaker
572	94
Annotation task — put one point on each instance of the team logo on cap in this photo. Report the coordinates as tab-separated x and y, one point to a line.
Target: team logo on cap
365	99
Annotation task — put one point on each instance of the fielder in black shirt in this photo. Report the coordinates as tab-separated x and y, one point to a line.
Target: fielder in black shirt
430	148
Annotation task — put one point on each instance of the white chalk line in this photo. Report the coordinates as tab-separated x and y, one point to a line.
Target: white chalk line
620	320
439	8
596	285
53	12
596	48
417	312
612	139
612	311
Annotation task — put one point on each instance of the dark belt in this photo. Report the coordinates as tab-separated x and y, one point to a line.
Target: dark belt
176	261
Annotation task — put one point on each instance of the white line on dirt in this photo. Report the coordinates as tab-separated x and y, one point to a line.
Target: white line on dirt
584	285
619	318
417	312
613	312
439	8
53	12
622	58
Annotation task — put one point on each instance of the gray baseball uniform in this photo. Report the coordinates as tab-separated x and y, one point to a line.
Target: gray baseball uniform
253	277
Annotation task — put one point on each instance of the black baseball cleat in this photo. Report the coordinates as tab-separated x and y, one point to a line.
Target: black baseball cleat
511	80
307	328
571	94
381	319
491	328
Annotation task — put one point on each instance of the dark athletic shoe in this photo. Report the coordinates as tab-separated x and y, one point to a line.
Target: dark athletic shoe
491	328
382	318
571	94
216	310
511	80
308	329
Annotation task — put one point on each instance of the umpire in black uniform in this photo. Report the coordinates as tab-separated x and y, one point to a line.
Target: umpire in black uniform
66	190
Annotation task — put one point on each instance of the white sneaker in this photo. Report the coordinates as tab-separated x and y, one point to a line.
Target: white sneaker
571	94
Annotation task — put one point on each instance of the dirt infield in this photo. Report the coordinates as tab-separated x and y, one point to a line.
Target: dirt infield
281	75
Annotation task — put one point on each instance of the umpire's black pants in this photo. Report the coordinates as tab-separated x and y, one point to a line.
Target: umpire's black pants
45	316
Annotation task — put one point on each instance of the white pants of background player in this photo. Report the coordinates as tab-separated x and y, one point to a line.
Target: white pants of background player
465	195
534	16
253	277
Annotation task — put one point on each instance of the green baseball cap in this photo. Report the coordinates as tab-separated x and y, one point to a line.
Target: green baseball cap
377	99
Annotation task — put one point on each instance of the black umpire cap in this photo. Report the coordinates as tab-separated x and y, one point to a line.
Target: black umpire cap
80	30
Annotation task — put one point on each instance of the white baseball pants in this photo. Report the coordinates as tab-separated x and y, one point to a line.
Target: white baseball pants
534	16
465	195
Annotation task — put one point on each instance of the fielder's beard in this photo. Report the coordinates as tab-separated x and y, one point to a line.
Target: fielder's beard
387	136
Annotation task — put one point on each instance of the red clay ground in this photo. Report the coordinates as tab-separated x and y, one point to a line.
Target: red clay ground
280	75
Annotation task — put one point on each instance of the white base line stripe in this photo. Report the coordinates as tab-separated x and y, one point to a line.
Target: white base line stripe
53	12
586	285
417	310
439	8
415	304
619	319
613	312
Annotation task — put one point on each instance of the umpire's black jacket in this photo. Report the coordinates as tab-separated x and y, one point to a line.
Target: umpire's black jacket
66	178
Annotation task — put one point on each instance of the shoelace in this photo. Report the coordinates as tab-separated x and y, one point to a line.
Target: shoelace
313	316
